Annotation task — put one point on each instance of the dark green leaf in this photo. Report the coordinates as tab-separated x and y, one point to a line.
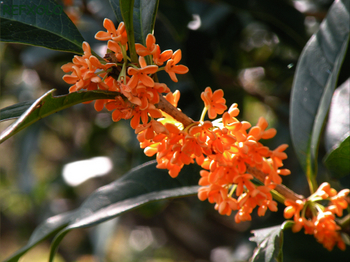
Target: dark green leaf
337	133
338	160
139	17
315	79
48	228
14	111
125	9
141	185
45	106
145	12
338	124
39	23
270	242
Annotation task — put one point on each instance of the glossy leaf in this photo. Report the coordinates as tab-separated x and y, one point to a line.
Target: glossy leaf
45	106
39	23
139	17
315	79
338	123
145	12
338	160
337	133
14	111
48	228
270	242
141	185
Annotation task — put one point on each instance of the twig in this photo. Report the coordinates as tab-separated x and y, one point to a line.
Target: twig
282	189
168	108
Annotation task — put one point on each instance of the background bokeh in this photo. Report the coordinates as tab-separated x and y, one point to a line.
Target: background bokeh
247	48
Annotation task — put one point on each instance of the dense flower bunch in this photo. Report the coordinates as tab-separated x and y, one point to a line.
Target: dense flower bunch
317	219
223	148
139	92
227	149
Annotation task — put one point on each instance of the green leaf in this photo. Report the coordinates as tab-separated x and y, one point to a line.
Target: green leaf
270	242
338	124
139	17
45	106
337	140
315	79
141	185
338	160
39	23
145	12
287	224
14	111
48	228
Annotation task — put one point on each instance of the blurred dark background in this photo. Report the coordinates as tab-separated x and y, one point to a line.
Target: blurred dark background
247	48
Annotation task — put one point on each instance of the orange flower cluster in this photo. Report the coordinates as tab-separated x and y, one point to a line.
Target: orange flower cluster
223	148
138	91
321	220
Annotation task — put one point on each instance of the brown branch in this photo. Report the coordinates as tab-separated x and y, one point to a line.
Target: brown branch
282	189
168	108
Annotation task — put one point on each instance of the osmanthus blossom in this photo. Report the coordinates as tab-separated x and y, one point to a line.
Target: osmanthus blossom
172	67
214	102
141	74
150	48
117	35
321	220
153	49
227	149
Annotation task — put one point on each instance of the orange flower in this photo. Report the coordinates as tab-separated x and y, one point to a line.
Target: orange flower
223	140
84	71
141	74
327	231
151	129
150	46
339	203
293	208
122	109
115	47
117	35
243	181
111	31
159	58
203	132
215	103
172	68
322	222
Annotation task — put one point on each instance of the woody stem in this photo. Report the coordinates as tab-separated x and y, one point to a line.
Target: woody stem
282	189
168	108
